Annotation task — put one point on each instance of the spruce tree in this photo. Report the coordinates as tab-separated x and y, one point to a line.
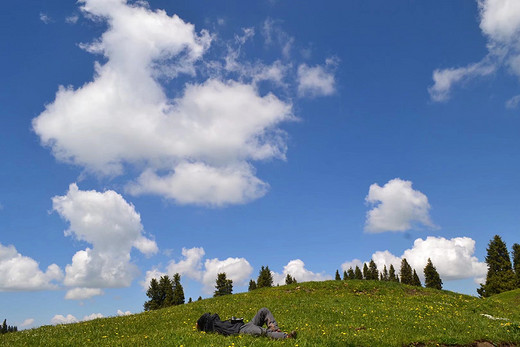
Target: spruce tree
391	274
265	279
166	288
373	273
345	275
4	327
431	276
178	291
189	300
357	273
199	298
351	274
500	276
516	263
406	272
223	286
384	274
252	285
156	296
365	271
289	279
416	281
337	277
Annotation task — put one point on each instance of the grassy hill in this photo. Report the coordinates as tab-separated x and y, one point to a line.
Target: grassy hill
332	313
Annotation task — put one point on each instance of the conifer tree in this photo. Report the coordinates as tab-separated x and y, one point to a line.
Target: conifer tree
178	291
384	274
500	276
337	277
189	300
416	281
373	273
156	296
4	327
431	276
351	274
252	285
392	275
345	275
357	273
200	298
223	285
166	289
365	271
406	272
516	263
289	279
265	279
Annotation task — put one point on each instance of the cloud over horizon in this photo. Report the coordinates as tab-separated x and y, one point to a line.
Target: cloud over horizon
22	273
113	227
237	269
454	258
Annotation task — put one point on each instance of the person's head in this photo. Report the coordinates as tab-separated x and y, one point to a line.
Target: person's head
202	322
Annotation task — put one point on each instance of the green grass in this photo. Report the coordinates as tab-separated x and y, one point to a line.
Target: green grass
332	313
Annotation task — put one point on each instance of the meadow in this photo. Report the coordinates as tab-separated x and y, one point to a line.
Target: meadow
331	313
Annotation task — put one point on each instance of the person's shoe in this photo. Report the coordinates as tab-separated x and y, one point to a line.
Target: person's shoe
292	334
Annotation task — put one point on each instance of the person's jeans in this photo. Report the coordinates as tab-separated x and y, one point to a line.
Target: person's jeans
255	326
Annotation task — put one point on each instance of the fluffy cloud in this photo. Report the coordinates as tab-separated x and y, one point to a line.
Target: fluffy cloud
207	133
191	265
82	293
500	23
60	319
125	313
398	207
93	316
454	258
113	227
237	269
317	80
296	268
28	322
18	272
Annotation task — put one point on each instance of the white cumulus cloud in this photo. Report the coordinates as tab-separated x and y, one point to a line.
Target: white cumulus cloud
397	207
296	268
317	80
68	319
195	147
93	316
453	258
237	269
82	293
28	322
123	313
113	227
500	23
60	319
22	273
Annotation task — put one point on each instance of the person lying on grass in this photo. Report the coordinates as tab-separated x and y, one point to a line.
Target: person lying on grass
211	323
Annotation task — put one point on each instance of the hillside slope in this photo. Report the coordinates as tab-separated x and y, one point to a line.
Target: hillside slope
332	313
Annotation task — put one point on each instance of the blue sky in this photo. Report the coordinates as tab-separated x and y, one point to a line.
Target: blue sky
148	138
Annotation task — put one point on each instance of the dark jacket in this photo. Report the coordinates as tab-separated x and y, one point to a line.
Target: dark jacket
211	322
